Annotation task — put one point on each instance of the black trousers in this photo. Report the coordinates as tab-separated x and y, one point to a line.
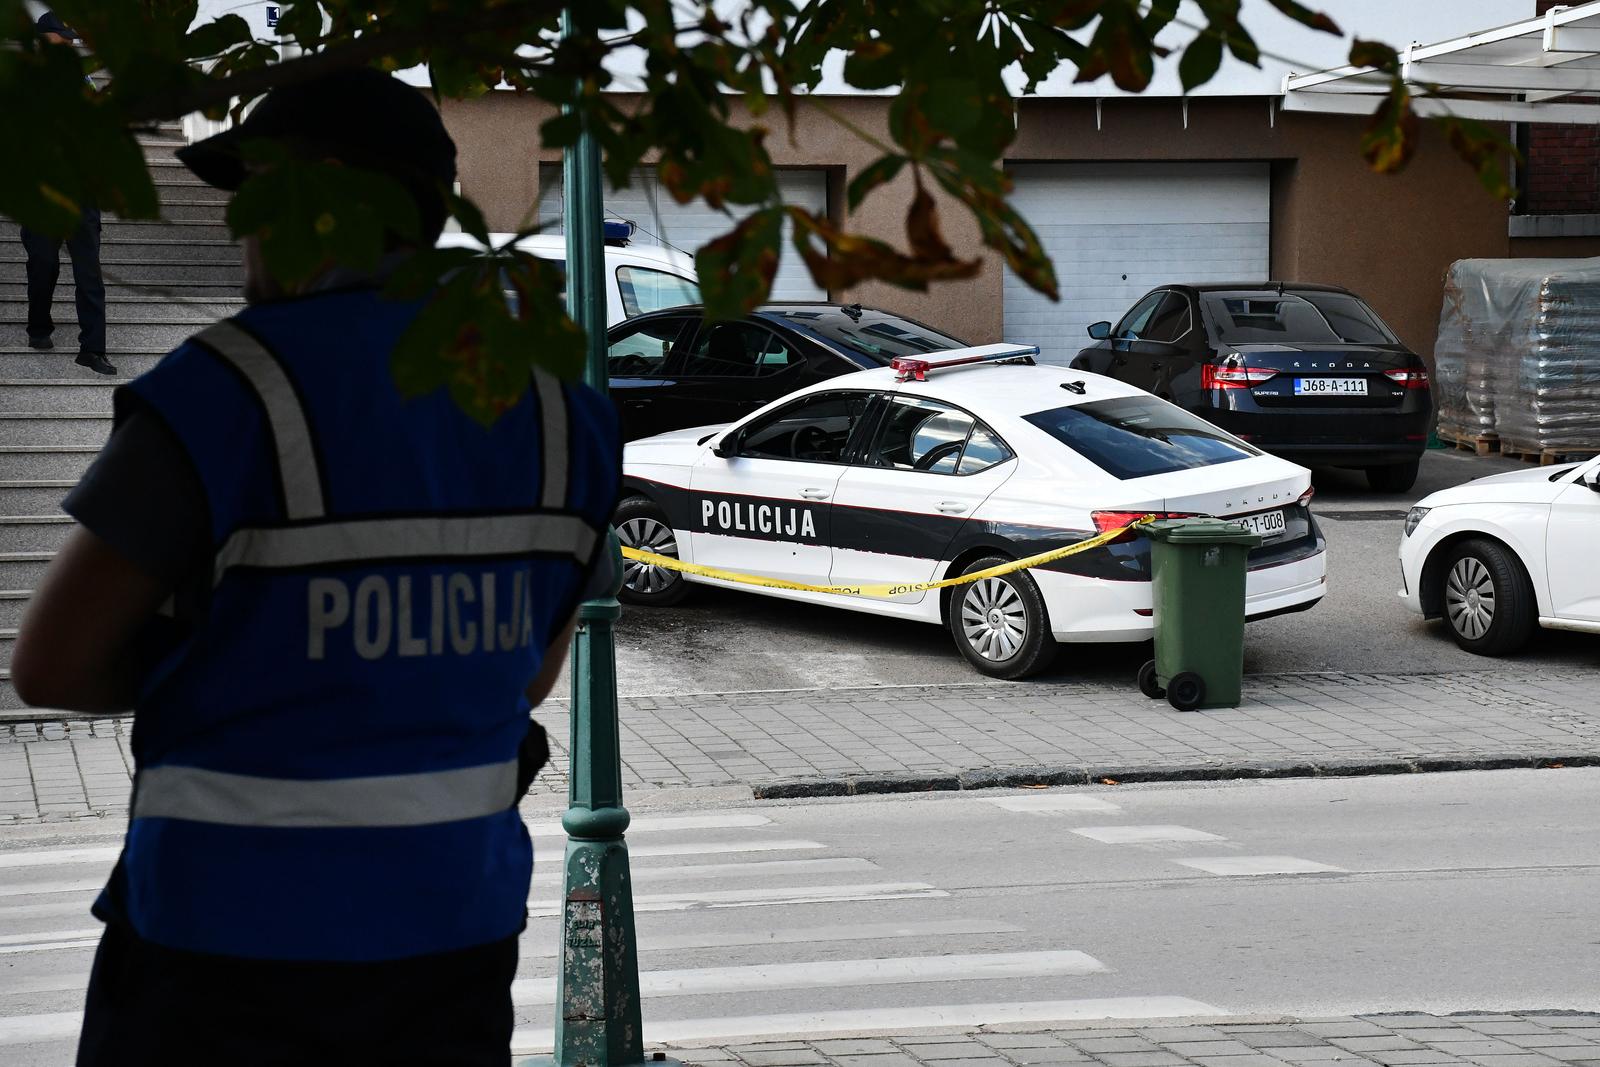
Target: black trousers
150	1005
44	267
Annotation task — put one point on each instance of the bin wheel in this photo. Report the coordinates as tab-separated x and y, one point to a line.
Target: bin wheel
1187	691
1148	685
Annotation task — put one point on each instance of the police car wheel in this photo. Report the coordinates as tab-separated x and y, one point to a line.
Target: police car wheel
1000	624
1489	604
641	524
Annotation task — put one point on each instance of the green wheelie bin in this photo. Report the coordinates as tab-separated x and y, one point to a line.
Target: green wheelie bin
1198	588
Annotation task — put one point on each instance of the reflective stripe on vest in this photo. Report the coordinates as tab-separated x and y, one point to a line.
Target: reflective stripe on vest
291	435
553	424
357	540
200	795
421	537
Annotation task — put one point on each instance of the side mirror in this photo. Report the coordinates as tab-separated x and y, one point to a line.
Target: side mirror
1592	480
1100	331
726	448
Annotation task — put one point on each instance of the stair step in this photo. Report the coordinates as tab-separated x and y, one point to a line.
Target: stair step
87	395
156	311
187	209
120	268
13	605
167	291
120	231
52	430
171	188
22	570
33	498
33	533
43	463
122	336
18	363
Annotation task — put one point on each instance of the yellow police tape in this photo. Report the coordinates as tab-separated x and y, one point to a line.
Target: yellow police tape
882	590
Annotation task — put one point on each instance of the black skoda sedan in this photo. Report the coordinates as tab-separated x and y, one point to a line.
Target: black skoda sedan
1307	372
671	369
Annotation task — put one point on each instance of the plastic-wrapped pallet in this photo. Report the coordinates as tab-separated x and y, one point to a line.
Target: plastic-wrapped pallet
1518	353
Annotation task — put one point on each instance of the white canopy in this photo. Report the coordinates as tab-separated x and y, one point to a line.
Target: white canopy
1545	69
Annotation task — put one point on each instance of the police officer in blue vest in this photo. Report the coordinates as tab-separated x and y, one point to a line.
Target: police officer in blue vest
331	610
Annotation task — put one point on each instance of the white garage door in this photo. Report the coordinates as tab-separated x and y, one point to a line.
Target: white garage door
662	220
1117	230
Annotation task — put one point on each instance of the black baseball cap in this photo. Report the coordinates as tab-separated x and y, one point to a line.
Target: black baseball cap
50	22
362	117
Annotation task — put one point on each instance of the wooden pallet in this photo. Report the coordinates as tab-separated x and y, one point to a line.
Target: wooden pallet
1545	457
1483	444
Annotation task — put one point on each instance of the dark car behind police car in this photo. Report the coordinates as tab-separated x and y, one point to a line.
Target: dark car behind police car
672	369
1307	372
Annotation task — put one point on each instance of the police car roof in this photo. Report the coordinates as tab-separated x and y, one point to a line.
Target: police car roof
554	246
997	388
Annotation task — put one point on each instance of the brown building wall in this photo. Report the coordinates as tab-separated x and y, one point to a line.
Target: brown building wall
1389	238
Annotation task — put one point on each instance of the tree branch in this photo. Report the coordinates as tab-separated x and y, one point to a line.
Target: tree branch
358	52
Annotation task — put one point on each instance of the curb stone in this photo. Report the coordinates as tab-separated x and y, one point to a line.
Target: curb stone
1000	778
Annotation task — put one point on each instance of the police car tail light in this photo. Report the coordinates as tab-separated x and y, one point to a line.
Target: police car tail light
1106	521
917	368
1411	379
1224	377
1305	497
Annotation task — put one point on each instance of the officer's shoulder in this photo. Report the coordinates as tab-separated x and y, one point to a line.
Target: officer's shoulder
593	408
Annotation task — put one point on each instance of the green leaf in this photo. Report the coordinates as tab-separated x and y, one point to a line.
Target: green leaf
1485	150
1200	61
1306	17
879	172
469	216
307	215
216	37
1374	54
736	269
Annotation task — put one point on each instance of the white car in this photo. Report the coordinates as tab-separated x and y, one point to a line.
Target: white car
638	278
1497	555
866	479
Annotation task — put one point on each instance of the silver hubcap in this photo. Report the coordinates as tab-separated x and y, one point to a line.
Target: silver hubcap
650	536
1469	598
994	619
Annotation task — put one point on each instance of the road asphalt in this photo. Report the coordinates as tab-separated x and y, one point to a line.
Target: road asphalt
1255	916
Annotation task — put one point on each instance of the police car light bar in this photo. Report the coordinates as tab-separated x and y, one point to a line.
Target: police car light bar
908	368
617	231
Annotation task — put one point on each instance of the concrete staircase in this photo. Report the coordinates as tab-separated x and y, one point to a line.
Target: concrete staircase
164	281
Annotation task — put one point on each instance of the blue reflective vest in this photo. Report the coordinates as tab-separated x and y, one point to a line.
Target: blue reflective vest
327	763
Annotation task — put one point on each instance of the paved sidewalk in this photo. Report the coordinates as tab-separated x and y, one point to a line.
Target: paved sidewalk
833	742
1489	1040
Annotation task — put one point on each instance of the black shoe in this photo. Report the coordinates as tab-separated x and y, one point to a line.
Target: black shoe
95	361
41	343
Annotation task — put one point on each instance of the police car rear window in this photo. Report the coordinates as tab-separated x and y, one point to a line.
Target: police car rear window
1136	437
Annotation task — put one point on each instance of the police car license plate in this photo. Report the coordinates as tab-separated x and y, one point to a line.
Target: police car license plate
1330	387
1268	524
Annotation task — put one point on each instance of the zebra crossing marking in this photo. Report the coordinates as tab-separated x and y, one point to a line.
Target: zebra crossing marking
1143	835
837	865
753	898
655	824
1257	865
800	936
830	974
1053	803
715	848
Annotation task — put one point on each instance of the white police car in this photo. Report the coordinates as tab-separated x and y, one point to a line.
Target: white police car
882	477
638	279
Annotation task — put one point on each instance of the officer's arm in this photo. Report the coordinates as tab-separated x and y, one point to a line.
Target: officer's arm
75	649
554	658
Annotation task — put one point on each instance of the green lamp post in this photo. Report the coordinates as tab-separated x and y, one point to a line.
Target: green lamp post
597	994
